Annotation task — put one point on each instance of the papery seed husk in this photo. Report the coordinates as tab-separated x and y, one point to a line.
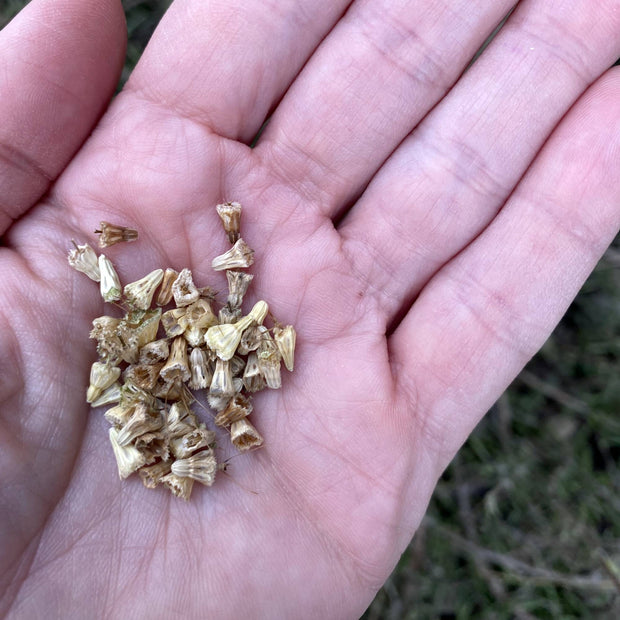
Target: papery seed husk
180	420
84	259
218	402
141	421
224	339
139	294
194	336
194	440
184	290
118	415
155	445
222	381
244	435
170	321
238	283
110	284
229	315
131	394
200	314
164	296
201	467
169	391
201	369
179	487
177	366
285	339
269	361
128	458
151	476
135	336
250	339
239	407
143	375
154	352
237	365
230	214
110	395
110	234
102	376
240	256
253	379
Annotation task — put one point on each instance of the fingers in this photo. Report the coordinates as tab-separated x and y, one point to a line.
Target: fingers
225	64
60	61
368	85
482	317
449	179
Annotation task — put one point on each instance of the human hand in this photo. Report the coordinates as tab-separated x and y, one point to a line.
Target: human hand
454	253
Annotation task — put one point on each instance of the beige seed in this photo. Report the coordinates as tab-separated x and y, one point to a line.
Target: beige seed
244	436
84	259
241	255
110	234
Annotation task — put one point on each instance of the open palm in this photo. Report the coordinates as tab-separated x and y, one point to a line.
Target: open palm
422	228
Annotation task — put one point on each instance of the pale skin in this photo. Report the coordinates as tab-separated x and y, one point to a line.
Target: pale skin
424	229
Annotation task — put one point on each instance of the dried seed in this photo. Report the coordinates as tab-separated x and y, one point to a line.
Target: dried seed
151	476
184	290
199	314
253	379
177	366
143	375
239	407
172	322
224	339
269	361
250	339
244	436
229	315
238	257
194	440
112	233
131	394
200	368
165	291
154	352
238	282
102	376
110	395
139	294
218	402
201	467
110	284
222	382
84	259
118	416
142	421
154	445
134	333
180	420
237	365
180	487
230	214
128	458
285	338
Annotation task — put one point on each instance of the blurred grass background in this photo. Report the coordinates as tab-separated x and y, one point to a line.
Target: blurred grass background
525	523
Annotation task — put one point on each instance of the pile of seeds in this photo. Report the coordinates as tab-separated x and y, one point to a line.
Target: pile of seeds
153	361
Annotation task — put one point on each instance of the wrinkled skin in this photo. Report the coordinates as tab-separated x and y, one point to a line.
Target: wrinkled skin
424	228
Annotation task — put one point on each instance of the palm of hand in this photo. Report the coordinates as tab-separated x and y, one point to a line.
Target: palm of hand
354	441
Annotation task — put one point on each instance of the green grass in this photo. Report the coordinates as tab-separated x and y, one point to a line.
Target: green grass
525	523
